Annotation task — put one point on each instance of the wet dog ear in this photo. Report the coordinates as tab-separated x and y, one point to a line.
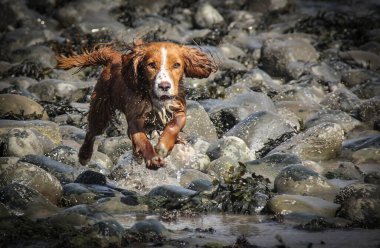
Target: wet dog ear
130	67
197	63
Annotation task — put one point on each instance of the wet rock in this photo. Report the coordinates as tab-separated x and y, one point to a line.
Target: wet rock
51	90
171	191
345	171
355	77
184	156
33	177
366	155
91	177
65	154
341	99
372	177
297	180
114	147
287	204
79	216
188	176
20	142
368	89
63	172
222	166
325	73
300	109
38	53
207	16
364	59
110	232
268	5
227	113
360	203
200	185
149	226
133	175
305	89
118	205
367	141
47	129
271	165
69	132
281	57
198	122
260	129
75	194
21	107
333	116
256	80
369	112
320	142
230	146
23	200
313	222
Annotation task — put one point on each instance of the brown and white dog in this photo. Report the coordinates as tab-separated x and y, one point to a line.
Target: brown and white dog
144	80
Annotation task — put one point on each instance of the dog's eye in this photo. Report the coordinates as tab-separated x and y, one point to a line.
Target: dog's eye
152	65
176	65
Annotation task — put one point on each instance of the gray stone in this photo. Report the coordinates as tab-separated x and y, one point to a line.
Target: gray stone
23	200
360	203
368	141
70	132
227	113
47	129
51	90
200	185
198	122
341	99
256	80
149	226
261	128
299	180
188	176
114	147
345	171
63	172
222	166
369	112
278	56
207	16
22	106
362	58
231	146
184	156
372	177
32	176
321	142
117	205
368	89
287	204
171	191
270	166
19	142
91	177
110	231
333	116
366	155
65	155
38	53
75	194
302	110
355	77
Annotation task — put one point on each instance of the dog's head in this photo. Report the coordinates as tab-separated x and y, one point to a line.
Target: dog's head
159	67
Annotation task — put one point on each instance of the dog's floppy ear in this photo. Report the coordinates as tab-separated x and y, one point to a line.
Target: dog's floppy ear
197	63
131	63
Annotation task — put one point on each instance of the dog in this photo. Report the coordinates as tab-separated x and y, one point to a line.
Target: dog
143	81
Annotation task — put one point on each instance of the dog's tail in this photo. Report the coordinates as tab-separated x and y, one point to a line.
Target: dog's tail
102	56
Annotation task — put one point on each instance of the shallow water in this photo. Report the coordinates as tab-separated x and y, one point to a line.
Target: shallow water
259	231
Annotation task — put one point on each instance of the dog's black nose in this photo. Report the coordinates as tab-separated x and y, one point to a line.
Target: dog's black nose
165	86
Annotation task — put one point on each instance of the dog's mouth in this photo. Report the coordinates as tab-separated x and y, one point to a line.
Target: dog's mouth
165	98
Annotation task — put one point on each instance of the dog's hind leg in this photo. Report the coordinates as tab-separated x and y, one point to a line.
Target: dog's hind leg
98	118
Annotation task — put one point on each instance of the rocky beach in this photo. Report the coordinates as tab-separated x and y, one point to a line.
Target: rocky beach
281	145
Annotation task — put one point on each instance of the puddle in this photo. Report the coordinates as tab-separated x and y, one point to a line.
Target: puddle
259	231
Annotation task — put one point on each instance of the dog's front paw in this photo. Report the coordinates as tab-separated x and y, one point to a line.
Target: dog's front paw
155	163
161	150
